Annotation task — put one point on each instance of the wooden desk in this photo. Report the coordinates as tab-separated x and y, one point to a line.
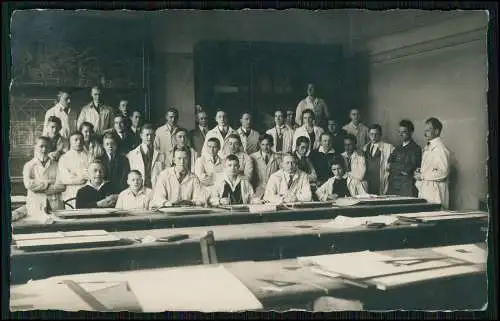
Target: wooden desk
260	241
438	293
151	220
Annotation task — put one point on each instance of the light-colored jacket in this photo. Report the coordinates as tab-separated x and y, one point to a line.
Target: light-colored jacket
164	139
68	120
302	131
385	152
39	181
318	106
287	138
277	187
215	132
136	163
208	171
168	188
101	121
360	132
434	170
250	143
357	174
73	167
218	189
263	171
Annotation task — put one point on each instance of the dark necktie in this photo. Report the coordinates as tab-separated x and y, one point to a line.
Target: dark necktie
223	132
44	162
279	139
246	133
266	159
348	163
290	180
181	177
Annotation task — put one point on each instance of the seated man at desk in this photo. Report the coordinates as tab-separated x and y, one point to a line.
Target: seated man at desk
305	163
176	185
232	188
289	184
336	186
136	196
209	165
97	192
234	147
39	177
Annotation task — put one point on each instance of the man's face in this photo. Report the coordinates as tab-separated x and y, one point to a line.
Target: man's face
203	119
430	132
52	129
404	133
279	119
123	107
136	118
171	118
212	148
75	142
326	142
232	167
310	90
134	181
337	171
41	149
65	100
96	173
86	133
181	138
147	136
234	145
307	119
109	145
221	118
289	116
265	146
119	124
332	126
374	135
289	164
96	95
180	160
303	148
354	115
349	146
246	120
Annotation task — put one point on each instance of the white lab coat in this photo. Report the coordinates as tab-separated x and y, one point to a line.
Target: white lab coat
287	138
215	132
302	131
136	163
434	170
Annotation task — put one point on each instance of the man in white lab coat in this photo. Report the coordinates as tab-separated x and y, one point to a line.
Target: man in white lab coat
432	177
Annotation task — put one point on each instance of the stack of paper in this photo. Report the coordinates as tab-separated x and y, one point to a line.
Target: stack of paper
205	289
346	201
344	222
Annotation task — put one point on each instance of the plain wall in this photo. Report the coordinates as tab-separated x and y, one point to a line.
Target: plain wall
444	76
176	32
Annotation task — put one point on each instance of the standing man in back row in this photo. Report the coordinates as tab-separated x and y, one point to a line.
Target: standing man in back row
357	128
96	113
314	103
432	177
164	135
67	116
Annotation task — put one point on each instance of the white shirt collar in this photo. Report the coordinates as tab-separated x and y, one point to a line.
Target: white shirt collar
99	187
322	150
236	182
406	143
139	192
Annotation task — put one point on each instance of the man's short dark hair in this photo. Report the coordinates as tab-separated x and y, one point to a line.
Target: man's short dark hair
55	119
406	123
436	124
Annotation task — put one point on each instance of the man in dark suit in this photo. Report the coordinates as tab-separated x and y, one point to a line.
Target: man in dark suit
117	165
135	127
197	135
123	136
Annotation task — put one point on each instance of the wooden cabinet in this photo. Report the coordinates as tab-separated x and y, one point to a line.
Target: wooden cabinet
261	77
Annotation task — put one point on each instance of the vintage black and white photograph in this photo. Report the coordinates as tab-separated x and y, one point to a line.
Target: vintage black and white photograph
248	160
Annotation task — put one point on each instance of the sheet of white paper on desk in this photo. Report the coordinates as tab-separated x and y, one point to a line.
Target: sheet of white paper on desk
259	208
367	264
45	295
468	252
443	214
341	222
204	289
345	201
452	217
386	219
387	282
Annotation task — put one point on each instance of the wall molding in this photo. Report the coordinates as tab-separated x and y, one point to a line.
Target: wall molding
476	35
